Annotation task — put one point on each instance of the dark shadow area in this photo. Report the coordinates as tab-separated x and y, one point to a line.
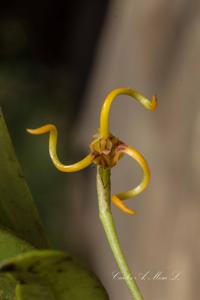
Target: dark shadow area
47	50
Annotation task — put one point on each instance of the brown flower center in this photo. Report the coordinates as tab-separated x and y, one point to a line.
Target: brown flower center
105	151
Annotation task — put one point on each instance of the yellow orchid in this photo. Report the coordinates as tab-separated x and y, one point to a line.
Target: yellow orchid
105	149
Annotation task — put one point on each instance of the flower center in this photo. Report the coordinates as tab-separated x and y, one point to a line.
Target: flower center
105	151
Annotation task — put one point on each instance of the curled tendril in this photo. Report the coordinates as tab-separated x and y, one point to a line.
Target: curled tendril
106	149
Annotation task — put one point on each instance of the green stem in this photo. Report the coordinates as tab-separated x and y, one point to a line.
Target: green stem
103	191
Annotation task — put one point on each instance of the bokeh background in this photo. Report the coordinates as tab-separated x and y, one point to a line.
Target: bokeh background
58	60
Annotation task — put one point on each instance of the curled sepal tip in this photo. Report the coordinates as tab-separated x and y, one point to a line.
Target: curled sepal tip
105	111
119	198
53	135
118	202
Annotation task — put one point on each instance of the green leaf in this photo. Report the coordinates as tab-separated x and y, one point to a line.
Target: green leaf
10	245
7	287
52	275
17	209
33	291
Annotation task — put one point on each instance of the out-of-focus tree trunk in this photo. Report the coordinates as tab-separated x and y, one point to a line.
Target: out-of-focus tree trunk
154	47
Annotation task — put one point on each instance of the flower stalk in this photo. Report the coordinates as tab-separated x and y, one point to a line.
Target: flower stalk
105	215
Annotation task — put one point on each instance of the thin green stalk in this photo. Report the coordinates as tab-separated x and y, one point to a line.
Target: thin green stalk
103	191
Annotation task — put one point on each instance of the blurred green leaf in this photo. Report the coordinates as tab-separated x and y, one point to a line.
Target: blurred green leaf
7	287
10	245
34	291
48	274
17	209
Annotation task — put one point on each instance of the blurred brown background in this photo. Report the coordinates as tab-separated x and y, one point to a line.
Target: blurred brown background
58	60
